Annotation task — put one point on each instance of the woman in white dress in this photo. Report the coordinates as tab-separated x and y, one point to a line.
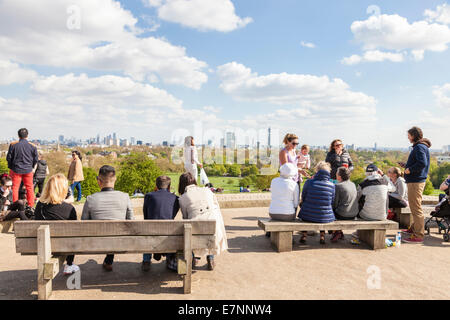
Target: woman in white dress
199	203
191	157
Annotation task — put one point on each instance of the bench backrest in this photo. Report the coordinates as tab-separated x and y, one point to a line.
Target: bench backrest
128	236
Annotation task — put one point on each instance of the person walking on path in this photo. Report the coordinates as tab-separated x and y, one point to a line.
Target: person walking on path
191	157
338	157
75	175
416	174
40	173
22	158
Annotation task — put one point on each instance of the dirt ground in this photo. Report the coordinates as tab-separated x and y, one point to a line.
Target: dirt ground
251	269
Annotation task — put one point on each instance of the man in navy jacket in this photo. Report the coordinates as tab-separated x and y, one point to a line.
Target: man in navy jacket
160	205
22	158
416	173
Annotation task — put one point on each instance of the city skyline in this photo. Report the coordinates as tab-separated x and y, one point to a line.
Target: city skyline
363	72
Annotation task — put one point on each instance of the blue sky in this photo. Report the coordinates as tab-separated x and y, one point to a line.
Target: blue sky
162	65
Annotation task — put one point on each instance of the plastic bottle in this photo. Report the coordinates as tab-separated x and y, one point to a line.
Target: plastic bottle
398	239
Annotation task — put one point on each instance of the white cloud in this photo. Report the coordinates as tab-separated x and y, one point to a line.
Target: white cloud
442	96
212	109
12	73
441	14
373	56
307	44
108	40
313	92
204	15
395	33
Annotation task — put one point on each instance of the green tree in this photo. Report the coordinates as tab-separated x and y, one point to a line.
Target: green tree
429	189
264	181
3	166
89	185
137	171
245	182
234	170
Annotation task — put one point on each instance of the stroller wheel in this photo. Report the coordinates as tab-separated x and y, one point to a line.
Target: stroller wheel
446	237
440	230
428	230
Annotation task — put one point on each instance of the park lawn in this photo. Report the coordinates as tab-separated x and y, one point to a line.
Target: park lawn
229	184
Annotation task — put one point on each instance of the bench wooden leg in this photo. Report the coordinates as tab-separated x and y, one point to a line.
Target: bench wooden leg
282	241
187	258
43	258
374	238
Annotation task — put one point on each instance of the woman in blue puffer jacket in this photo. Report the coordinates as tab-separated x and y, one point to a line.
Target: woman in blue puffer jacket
317	199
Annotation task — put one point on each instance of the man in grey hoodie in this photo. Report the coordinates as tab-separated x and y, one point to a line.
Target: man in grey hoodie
373	194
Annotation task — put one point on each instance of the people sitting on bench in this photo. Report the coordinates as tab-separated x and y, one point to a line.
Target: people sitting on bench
373	194
284	194
108	204
160	205
399	197
52	206
345	204
10	210
199	203
317	199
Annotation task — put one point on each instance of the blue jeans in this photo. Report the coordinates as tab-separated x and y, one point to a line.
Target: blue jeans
76	184
147	257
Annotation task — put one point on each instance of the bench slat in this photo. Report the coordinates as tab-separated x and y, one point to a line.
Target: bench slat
102	228
122	244
269	225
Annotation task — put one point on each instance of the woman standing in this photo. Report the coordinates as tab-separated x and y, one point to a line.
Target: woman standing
416	173
75	175
338	157
288	154
199	203
51	206
191	157
399	197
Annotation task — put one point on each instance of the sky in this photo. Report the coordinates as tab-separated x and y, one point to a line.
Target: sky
361	71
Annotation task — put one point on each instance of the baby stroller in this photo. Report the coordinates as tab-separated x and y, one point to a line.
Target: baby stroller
441	216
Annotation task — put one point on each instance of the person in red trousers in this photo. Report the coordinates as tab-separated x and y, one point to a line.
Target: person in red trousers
22	158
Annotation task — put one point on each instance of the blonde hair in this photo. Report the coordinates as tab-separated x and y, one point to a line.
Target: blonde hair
55	190
322	165
397	171
333	142
289	137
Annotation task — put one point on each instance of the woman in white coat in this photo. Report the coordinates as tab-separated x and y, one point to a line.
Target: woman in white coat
198	203
191	157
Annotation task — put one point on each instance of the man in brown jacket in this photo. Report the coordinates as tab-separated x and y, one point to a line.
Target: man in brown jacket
75	175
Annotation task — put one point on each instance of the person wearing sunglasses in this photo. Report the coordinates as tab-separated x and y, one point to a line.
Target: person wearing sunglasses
288	154
8	209
338	157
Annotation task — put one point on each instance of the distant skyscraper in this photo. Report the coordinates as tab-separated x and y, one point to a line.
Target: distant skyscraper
139	142
375	147
269	137
231	140
132	141
61	139
165	143
114	136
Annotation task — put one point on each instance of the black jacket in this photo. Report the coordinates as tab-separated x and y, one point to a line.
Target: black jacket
336	161
160	205
22	156
41	170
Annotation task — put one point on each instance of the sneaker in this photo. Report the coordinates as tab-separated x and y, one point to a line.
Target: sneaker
157	256
71	269
413	239
338	235
146	266
107	267
407	231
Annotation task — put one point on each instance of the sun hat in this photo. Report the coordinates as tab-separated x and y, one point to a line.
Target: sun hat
288	170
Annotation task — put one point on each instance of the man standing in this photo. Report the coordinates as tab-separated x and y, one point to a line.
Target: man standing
416	173
107	204
160	205
22	158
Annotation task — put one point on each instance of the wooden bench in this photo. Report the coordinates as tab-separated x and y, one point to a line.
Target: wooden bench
7	226
371	232
52	241
404	217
